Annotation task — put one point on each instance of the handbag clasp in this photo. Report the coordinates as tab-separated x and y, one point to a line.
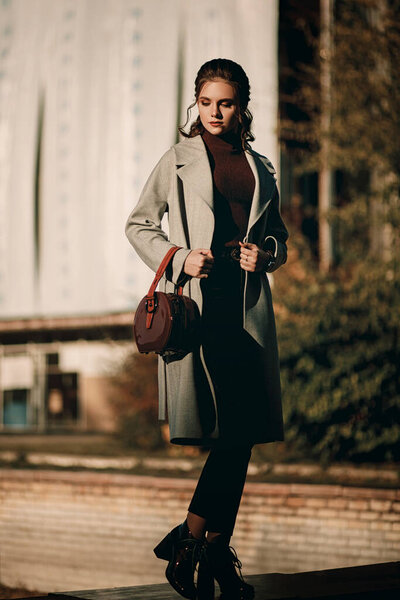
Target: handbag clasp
151	304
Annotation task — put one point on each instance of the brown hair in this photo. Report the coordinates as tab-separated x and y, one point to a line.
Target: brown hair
233	73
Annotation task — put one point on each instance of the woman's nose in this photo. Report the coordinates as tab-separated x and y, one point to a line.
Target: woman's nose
215	111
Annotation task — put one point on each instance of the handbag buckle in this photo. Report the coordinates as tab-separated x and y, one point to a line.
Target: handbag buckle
151	304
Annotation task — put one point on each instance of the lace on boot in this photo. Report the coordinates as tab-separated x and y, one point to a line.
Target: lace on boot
227	570
236	562
196	545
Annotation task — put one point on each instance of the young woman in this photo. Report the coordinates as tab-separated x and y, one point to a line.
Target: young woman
223	212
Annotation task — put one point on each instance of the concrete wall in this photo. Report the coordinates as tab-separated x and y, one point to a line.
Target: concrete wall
64	531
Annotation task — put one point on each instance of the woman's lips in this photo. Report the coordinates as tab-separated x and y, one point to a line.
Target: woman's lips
215	123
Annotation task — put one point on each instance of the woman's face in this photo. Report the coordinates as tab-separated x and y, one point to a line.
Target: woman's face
218	107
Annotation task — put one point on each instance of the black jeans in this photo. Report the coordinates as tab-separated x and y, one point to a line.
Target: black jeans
219	489
220	486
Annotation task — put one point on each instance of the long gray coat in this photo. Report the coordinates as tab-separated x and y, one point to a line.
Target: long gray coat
181	183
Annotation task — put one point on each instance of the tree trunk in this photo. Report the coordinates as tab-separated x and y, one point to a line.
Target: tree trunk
325	177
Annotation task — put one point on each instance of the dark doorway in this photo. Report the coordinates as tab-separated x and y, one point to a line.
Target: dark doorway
61	399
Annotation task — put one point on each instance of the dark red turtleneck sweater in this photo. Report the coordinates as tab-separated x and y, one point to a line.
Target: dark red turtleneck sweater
233	188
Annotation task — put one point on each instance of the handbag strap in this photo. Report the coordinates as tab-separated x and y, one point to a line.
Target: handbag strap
150	297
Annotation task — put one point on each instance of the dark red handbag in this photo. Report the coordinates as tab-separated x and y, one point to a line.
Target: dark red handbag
166	323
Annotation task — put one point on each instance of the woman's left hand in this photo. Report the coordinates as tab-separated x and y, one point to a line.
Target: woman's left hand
252	258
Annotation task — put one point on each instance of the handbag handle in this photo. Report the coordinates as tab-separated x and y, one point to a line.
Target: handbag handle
151	303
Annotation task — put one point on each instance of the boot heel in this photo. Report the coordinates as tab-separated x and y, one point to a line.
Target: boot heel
164	549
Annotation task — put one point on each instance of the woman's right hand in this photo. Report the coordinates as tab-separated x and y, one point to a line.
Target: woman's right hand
199	263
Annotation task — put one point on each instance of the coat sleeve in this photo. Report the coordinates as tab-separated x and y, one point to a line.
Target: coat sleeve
143	227
276	234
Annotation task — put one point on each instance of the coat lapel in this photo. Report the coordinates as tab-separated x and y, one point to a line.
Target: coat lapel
265	183
194	170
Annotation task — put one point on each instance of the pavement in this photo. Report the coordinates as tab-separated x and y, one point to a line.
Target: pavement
265	471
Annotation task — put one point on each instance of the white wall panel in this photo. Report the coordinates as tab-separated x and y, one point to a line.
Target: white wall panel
245	31
107	71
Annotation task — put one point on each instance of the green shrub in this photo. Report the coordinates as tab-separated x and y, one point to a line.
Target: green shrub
339	338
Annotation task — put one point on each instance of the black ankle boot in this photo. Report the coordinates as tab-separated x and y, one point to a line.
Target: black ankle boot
226	568
182	551
205	576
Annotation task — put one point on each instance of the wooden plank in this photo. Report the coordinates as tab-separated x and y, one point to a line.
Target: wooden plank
366	582
160	591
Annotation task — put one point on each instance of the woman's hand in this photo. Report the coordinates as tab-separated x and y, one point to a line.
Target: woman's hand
253	258
199	263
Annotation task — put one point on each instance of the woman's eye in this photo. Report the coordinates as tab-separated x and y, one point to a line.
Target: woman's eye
225	104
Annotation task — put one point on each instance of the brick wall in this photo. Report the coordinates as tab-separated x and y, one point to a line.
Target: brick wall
74	530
